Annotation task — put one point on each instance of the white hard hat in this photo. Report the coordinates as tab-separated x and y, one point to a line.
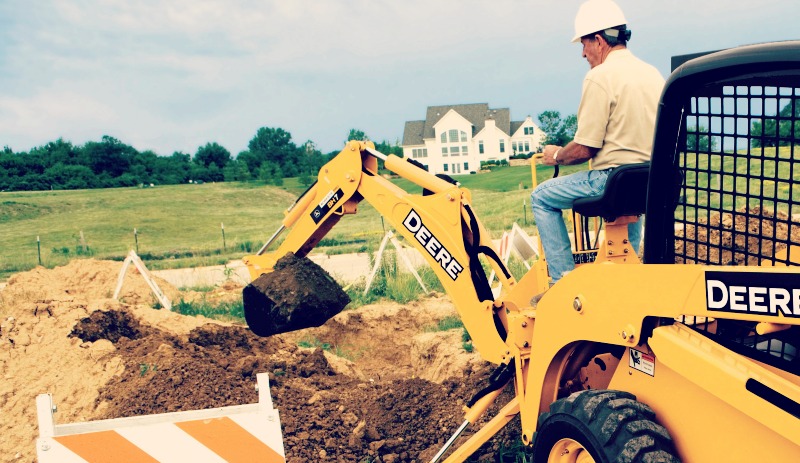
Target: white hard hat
597	15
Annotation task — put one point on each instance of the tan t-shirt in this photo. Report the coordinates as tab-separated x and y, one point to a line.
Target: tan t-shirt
618	110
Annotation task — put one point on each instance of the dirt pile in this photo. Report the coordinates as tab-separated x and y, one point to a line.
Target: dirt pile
38	310
744	237
393	394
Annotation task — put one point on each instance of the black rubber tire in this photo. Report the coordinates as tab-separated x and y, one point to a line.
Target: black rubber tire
611	425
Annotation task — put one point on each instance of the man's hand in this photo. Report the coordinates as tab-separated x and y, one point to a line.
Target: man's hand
572	153
548	155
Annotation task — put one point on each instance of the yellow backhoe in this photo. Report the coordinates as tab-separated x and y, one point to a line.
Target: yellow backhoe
690	355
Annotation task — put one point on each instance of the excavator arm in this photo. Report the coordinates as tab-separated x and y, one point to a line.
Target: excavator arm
441	225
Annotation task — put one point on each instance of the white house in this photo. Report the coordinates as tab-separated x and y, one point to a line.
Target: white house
455	139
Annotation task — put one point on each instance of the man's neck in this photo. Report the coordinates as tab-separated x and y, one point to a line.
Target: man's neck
608	51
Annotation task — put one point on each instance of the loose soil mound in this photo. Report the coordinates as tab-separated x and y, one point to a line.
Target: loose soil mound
744	237
111	325
396	397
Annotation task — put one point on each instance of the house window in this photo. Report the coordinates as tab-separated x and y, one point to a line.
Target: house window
466	166
527	147
424	152
444	151
419	153
514	146
445	167
528	130
454	151
480	147
444	137
502	146
453	136
463	136
464	151
456	168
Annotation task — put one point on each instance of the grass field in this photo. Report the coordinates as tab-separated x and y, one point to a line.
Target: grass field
725	182
180	225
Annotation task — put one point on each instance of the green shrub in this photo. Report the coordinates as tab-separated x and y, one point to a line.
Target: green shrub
447	323
313	343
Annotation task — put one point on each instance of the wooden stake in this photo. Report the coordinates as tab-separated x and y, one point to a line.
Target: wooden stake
222	226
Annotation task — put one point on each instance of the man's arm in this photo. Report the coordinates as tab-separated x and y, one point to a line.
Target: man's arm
573	153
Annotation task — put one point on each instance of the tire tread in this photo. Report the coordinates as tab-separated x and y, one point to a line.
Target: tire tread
624	427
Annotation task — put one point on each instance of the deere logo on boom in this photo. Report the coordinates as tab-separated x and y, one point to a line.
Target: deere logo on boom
435	248
327	203
756	293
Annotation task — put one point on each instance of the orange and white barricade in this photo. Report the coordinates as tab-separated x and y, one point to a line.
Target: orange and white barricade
240	433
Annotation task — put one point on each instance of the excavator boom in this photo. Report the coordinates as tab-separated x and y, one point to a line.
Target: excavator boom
440	224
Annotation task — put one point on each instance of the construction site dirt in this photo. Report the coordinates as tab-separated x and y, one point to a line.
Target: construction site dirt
373	384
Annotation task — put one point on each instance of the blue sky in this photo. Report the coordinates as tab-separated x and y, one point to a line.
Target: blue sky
174	75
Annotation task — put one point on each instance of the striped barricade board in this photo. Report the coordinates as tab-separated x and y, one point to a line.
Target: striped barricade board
237	434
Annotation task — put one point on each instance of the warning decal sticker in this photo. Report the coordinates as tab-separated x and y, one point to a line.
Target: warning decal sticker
642	361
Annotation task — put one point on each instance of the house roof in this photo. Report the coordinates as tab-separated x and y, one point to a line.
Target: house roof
476	113
412	133
515	125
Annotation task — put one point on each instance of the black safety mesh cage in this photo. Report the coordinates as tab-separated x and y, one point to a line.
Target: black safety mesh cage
725	175
740	199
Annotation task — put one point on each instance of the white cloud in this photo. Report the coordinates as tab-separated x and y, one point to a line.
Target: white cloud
55	112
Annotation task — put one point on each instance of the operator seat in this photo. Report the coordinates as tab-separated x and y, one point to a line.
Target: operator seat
622	201
625	193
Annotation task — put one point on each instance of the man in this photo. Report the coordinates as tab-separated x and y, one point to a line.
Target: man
616	124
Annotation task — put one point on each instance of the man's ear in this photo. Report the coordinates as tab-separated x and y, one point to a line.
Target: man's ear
601	39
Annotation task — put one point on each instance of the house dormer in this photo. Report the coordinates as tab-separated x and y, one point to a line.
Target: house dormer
526	137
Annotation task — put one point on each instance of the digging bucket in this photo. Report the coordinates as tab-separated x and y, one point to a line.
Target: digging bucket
297	294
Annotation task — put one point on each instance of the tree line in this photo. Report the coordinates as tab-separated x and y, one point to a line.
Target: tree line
782	130
271	156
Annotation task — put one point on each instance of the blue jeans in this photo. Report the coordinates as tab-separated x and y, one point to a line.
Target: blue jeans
557	194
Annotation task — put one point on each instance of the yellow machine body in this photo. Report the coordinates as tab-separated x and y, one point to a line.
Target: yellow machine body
548	343
655	330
